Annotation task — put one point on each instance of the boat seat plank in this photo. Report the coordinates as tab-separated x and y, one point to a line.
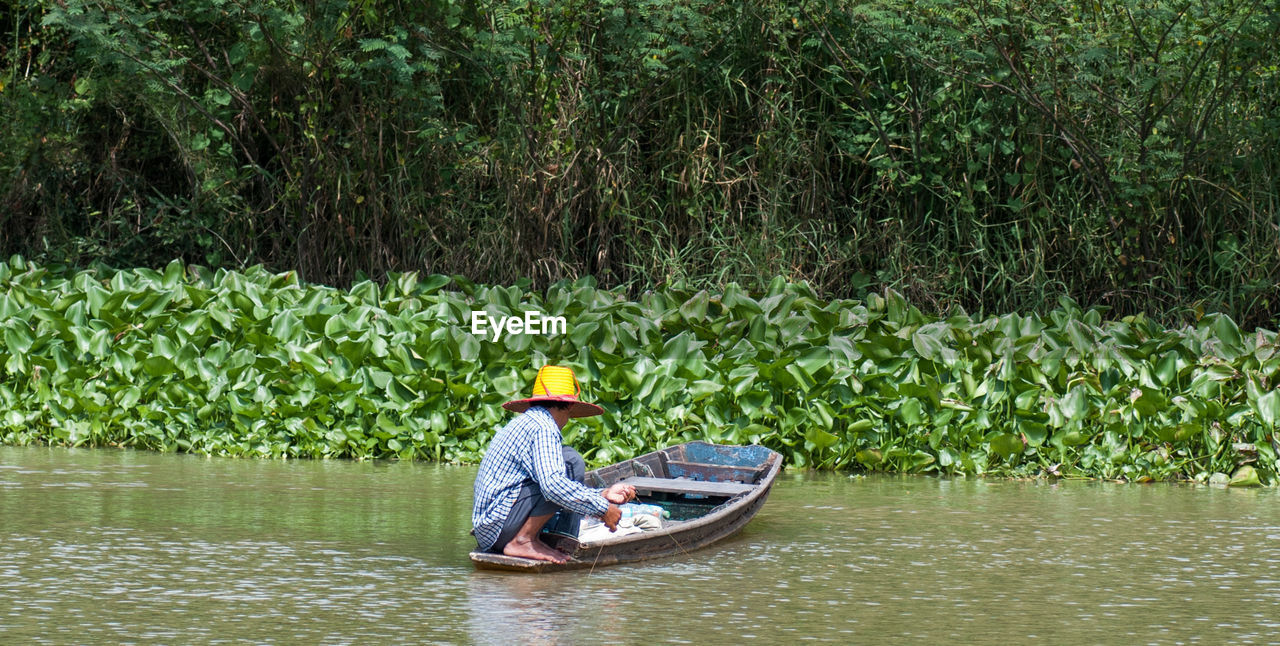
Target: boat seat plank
697	487
713	472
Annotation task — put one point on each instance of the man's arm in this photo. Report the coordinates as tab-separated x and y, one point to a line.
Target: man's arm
549	472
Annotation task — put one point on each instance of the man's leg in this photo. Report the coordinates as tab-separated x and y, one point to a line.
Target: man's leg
527	545
530	504
531	512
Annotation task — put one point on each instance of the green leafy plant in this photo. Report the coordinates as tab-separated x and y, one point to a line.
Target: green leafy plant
261	364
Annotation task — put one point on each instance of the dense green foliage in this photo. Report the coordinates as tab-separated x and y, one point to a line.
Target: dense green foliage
989	154
260	364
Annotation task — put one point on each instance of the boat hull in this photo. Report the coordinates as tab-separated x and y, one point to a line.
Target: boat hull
727	484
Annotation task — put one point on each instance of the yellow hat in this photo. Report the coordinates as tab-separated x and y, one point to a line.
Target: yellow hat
556	384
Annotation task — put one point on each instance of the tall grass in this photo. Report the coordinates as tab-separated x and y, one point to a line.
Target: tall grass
988	155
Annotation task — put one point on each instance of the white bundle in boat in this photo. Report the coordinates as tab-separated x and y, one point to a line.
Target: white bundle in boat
636	518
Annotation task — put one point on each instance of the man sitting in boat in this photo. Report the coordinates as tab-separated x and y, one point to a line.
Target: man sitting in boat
527	474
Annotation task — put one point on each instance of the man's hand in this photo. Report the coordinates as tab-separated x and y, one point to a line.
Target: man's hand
612	517
620	493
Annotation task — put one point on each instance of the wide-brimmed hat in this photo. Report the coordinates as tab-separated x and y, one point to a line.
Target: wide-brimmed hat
556	384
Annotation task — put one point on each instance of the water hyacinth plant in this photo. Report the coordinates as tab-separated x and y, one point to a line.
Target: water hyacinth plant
258	364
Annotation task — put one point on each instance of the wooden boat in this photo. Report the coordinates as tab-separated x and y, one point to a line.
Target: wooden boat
710	490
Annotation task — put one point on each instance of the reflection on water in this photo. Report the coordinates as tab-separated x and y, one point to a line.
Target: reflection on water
500	606
118	546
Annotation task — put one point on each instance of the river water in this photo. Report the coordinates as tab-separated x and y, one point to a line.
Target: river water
103	546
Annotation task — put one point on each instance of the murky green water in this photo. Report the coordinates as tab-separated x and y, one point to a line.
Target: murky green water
125	547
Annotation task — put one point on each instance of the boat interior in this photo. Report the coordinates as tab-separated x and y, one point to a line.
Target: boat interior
689	480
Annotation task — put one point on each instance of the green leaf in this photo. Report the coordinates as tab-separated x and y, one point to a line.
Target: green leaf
755	403
18	338
1227	331
1167	368
703	388
467	347
820	438
911	411
947	457
1081	337
219	96
1245	476
309	359
694	310
1075	405
676	348
157	366
581	333
129	397
823	415
1006	445
927	346
193	323
173	274
433	283
1150	403
814	360
861	426
803	381
163	346
1035	433
1070	438
743	378
286	326
869	457
1268	408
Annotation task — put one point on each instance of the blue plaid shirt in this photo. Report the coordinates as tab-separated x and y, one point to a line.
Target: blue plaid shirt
527	448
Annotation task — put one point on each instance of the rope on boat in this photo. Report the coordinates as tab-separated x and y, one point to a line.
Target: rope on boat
673	540
596	560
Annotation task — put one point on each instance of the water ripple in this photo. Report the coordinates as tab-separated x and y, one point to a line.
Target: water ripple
120	547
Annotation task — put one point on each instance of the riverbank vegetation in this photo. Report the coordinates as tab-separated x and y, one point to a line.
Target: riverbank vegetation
991	155
256	363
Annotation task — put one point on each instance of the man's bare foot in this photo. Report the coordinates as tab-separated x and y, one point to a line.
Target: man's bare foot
534	549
